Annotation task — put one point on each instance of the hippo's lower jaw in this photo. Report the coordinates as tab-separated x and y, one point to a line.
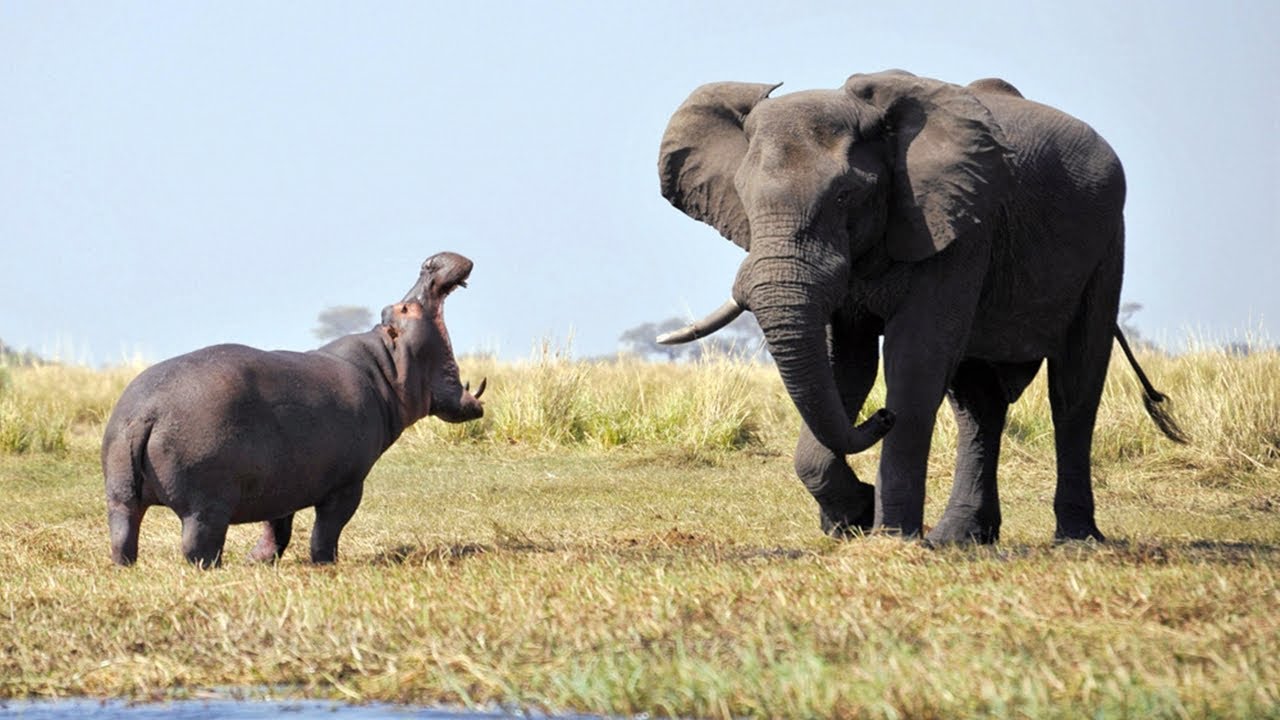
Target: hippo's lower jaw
467	408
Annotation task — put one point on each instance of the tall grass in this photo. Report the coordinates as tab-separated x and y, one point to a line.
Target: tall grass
552	400
1229	404
41	405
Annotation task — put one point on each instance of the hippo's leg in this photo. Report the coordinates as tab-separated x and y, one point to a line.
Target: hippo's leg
203	534
275	538
331	516
123	520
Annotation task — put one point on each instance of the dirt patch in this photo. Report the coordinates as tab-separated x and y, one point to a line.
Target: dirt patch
417	554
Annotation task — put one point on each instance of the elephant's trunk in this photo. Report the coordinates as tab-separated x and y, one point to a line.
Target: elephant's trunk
793	310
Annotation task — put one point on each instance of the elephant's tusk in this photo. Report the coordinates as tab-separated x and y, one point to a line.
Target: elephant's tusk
717	319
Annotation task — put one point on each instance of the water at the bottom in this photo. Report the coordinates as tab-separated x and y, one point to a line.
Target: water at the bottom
89	709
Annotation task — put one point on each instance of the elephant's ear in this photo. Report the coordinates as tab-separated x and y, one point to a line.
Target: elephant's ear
951	170
701	150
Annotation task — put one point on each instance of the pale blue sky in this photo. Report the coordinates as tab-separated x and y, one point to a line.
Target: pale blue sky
177	174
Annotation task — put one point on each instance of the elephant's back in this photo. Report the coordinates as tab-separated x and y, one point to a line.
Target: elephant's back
1062	222
1049	145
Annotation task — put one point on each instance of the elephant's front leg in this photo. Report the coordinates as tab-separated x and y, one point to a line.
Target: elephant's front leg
924	341
845	504
904	455
980	406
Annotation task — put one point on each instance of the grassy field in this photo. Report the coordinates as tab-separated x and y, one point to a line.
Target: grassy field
625	538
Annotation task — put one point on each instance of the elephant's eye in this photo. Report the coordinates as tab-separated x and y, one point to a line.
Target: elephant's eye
842	198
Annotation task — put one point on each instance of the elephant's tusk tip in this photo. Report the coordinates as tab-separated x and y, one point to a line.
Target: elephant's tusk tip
675	337
718	318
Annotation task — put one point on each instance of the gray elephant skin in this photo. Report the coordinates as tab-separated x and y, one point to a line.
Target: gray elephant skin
231	434
977	232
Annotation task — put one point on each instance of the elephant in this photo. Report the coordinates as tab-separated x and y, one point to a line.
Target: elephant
231	434
966	233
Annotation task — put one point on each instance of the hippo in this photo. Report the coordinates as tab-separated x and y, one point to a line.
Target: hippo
231	434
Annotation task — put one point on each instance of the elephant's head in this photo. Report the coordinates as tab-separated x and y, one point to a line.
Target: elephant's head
820	187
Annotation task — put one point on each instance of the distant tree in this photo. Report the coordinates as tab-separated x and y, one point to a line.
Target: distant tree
642	340
741	339
1127	311
1131	331
13	356
342	320
1239	348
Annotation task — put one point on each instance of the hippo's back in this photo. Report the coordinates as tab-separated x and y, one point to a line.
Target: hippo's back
261	421
223	380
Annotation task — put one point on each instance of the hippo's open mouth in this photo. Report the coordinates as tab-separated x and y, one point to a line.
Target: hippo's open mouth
441	274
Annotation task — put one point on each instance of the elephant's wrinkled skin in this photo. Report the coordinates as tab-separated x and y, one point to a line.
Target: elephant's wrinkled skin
231	434
978	232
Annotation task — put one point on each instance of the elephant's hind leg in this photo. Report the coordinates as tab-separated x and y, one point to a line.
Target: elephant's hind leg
980	406
1076	378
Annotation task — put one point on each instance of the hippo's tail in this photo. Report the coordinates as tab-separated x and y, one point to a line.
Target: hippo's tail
138	435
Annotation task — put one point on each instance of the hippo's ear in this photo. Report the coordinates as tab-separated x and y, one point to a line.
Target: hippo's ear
390	333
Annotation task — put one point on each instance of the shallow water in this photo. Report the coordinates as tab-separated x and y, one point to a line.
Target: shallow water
89	709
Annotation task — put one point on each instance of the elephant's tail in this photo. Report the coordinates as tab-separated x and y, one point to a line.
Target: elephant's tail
1154	400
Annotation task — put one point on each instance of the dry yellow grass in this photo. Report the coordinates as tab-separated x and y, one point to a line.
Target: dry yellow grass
627	538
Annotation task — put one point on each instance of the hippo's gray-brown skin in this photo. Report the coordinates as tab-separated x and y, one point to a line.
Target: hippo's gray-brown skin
230	434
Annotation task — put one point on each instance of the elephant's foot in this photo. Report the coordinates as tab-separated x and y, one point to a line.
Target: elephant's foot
1075	522
964	527
849	516
1086	531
